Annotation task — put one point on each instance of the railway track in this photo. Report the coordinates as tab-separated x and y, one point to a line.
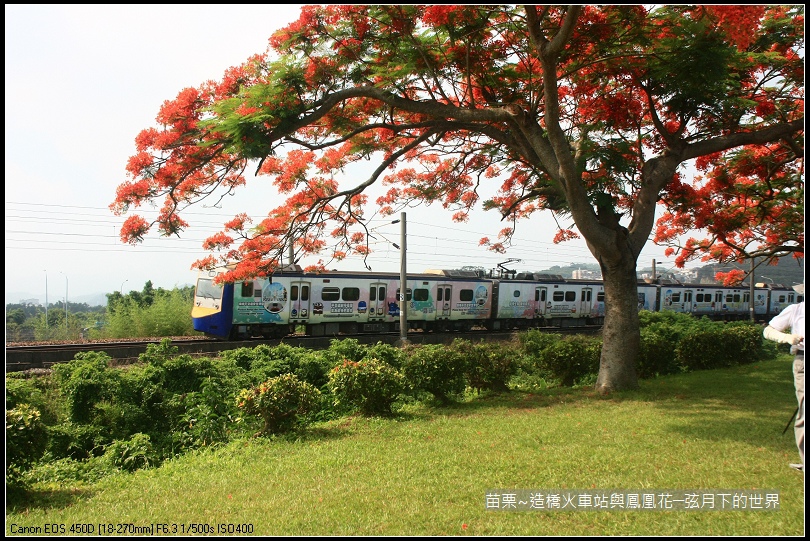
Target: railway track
44	356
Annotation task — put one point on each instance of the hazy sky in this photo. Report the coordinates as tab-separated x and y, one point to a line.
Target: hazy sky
82	81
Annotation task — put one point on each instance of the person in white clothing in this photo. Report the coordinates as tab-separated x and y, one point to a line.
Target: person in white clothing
792	319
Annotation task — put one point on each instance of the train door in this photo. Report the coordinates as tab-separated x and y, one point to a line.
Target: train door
444	296
540	300
299	301
717	305
687	300
377	306
585	297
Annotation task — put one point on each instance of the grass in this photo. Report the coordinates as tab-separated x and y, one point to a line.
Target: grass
426	470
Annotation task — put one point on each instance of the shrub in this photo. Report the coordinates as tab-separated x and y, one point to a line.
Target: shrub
281	402
570	358
370	386
488	366
744	341
209	416
40	392
346	349
656	354
242	357
74	441
26	441
436	369
131	454
185	374
157	354
392	355
85	381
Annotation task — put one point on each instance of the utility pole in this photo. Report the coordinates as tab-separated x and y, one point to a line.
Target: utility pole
66	301
751	293
46	300
403	288
403	282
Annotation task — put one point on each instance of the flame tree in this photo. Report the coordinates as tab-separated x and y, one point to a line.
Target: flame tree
591	112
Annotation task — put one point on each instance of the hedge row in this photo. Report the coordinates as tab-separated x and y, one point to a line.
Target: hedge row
114	418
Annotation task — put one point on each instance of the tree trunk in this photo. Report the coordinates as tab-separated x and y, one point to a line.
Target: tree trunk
621	336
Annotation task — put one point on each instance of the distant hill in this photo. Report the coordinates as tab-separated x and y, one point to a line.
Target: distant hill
789	271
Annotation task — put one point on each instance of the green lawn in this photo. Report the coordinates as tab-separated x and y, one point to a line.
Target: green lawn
427	471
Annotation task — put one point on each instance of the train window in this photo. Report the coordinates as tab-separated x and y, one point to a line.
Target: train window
372	294
407	294
516	293
736	297
351	294
570	296
746	297
207	288
687	296
558	296
330	294
718	297
600	296
676	297
781	298
447	294
247	289
257	293
421	294
699	297
294	293
304	293
381	295
729	298
440	294
465	295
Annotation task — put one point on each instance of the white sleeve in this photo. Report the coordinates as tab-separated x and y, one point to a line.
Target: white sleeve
772	334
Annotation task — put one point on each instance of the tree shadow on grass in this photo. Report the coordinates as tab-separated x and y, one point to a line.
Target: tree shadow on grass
19	499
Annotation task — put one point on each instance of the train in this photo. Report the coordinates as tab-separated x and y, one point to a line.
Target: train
340	303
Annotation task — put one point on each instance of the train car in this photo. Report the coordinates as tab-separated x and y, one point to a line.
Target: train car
535	300
715	302
771	299
332	303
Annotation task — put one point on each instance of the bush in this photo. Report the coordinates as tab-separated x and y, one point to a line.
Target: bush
26	441
281	402
209	414
40	392
74	441
489	366
392	355
346	349
569	359
85	381
656	354
370	386
132	454
436	369
157	354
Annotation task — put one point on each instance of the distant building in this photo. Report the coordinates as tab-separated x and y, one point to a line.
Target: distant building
582	274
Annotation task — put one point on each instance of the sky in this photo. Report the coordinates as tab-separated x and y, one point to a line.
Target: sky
83	80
